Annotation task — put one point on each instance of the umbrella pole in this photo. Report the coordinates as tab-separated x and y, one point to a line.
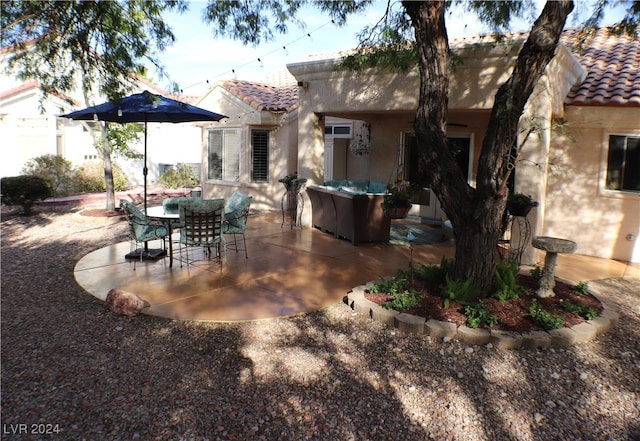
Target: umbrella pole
144	174
147	253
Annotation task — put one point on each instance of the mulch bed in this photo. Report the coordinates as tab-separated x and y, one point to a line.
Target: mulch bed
512	315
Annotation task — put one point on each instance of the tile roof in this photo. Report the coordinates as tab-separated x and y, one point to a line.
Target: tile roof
613	69
264	96
612	63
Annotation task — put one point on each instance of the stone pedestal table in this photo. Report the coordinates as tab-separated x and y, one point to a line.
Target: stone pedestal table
553	246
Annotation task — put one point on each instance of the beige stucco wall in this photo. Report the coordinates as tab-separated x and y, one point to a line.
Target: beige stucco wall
577	206
283	149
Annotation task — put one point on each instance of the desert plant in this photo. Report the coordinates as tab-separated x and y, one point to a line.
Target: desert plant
55	169
581	288
460	291
580	308
180	176
89	177
544	318
506	281
24	190
478	315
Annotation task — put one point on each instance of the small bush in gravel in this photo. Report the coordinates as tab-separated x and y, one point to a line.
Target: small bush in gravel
543	318
25	191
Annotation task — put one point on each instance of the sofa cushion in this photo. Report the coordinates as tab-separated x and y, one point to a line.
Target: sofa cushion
377	187
357	186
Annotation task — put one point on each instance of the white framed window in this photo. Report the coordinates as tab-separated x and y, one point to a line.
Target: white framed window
223	154
259	156
623	163
339	130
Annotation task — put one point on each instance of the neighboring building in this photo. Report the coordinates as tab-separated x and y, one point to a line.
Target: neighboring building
582	163
32	127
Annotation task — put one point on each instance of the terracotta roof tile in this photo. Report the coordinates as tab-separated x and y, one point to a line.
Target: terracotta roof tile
613	69
612	63
264	96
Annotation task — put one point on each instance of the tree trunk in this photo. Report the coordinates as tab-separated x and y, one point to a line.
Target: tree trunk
105	150
476	214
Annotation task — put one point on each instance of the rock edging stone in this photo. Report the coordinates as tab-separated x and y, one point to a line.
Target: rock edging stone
437	329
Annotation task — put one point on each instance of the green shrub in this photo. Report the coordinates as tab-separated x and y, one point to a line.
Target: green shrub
55	169
581	288
479	314
462	292
580	308
506	281
536	273
180	176
390	286
543	318
89	177
404	300
25	191
435	274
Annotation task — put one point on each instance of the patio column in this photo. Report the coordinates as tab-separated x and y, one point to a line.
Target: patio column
310	148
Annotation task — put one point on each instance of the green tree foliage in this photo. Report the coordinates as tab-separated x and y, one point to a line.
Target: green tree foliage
106	40
25	190
120	136
55	169
180	176
89	177
99	43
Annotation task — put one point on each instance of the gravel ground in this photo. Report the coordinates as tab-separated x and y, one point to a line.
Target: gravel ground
72	368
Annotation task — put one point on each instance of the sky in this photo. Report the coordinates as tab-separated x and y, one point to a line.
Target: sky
198	59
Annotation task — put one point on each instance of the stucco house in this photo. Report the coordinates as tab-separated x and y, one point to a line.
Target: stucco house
581	160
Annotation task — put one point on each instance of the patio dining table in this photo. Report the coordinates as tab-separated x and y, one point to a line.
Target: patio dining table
168	219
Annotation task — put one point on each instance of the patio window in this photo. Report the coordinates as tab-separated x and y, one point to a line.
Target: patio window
223	153
260	156
623	163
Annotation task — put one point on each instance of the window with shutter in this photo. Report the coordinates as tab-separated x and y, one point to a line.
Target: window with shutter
260	156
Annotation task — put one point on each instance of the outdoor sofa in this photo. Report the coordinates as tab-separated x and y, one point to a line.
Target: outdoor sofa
350	210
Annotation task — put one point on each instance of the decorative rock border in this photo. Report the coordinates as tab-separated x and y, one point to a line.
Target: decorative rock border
563	337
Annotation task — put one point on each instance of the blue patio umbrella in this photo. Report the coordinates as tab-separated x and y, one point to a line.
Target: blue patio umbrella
144	107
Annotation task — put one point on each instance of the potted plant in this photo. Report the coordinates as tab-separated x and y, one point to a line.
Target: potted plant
519	204
293	182
397	202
